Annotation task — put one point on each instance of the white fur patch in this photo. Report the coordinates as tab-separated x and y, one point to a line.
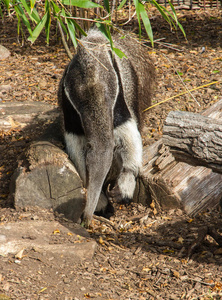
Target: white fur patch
127	184
129	145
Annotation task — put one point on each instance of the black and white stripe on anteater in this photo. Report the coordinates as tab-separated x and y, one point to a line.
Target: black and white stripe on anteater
102	97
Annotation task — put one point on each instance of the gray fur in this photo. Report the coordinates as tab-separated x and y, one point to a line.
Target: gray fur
92	85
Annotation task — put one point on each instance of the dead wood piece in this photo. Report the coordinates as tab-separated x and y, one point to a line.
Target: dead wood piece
197	136
48	179
178	184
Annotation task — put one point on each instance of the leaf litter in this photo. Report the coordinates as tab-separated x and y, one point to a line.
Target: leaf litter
142	253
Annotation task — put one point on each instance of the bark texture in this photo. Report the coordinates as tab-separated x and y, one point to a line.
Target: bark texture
173	181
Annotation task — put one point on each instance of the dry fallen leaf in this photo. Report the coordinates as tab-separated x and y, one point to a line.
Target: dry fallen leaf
13	123
218	286
176	273
101	241
180	240
190	220
19	255
145	269
168	251
152	205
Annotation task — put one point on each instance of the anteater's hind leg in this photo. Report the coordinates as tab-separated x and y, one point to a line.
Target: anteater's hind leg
129	148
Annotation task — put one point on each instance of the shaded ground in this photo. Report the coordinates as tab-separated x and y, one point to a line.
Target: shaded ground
144	255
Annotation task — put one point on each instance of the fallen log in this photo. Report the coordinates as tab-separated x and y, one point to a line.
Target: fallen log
47	178
175	183
196	137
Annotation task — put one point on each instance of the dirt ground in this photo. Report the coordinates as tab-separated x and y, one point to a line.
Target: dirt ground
144	256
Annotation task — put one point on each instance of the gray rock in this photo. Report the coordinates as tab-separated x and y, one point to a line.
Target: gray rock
38	235
4	52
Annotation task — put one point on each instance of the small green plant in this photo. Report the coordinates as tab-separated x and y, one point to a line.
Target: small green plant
38	15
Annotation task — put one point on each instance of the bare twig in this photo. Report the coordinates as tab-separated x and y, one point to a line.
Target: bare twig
130	18
64	42
167	45
104	220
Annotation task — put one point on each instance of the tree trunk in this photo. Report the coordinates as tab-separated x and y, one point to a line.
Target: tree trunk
174	183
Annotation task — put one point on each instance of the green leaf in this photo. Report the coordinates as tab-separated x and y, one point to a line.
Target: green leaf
62	24
32	13
146	22
6	2
39	27
216	71
47	7
1	13
180	73
121	4
72	32
63	13
18	24
176	19
105	30
81	3
55	7
170	18
181	28
140	11
48	21
119	53
106	4
173	10
47	27
160	8
32	4
136	3
78	27
20	12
